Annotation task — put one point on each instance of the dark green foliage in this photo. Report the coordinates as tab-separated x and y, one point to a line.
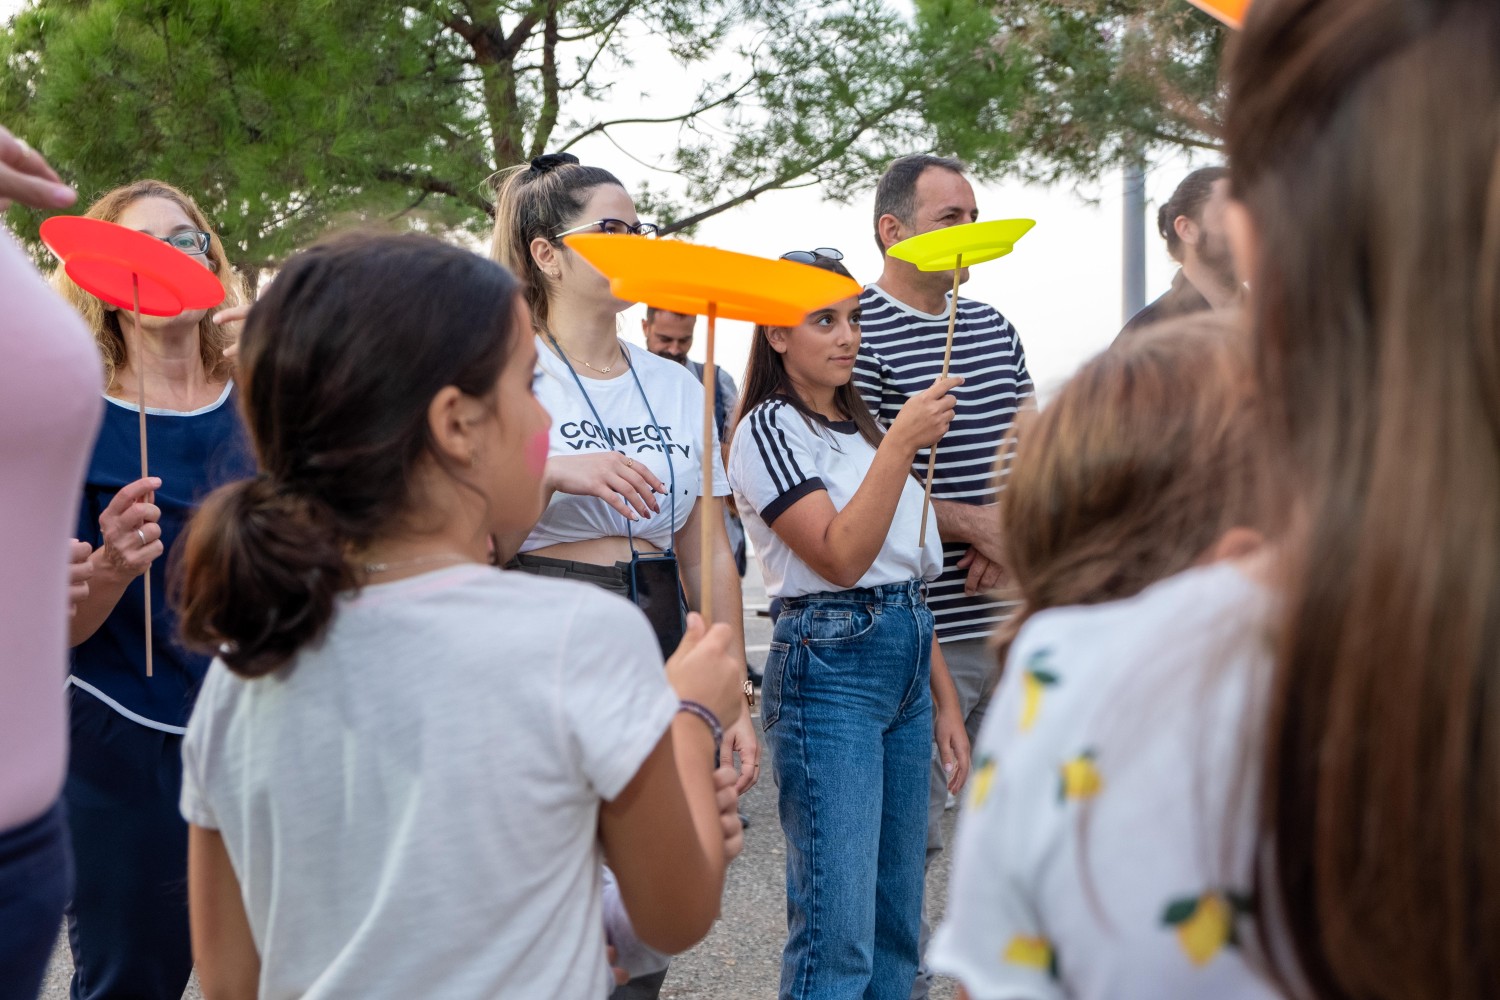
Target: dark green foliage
1048	89
284	117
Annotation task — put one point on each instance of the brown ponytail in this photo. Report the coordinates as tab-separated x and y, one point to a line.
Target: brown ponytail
538	200
1364	138
1143	460
338	364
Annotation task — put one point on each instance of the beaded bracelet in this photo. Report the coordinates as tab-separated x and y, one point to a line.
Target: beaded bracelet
709	719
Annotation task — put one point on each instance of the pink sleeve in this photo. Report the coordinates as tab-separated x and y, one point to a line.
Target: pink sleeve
50	403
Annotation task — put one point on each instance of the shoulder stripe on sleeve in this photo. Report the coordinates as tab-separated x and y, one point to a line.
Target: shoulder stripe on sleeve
797	474
758	430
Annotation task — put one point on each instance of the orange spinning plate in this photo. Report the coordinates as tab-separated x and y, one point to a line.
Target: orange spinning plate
103	257
687	277
1231	12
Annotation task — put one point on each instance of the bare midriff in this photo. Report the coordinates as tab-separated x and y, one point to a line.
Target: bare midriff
595	551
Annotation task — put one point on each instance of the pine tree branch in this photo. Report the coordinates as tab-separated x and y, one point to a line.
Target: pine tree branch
670	120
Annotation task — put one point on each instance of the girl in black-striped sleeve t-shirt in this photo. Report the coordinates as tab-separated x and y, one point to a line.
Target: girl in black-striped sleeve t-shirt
854	681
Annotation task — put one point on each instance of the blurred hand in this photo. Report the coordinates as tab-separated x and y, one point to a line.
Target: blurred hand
621	976
729	812
80	571
984	574
952	744
740	738
26	177
233	316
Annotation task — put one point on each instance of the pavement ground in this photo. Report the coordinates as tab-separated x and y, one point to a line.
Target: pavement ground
741	957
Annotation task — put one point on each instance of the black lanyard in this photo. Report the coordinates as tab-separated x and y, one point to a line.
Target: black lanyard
661	438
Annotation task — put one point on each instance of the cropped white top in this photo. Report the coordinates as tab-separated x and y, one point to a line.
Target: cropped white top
666	437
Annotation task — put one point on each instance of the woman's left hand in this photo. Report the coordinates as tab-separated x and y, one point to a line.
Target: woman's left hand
80	571
953	744
740	737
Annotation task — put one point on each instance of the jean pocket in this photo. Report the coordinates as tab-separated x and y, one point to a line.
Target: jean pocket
770	684
842	624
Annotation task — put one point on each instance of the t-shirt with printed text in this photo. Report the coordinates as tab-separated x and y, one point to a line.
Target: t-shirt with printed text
666	437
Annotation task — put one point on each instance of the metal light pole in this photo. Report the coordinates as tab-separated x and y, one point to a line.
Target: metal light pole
1133	277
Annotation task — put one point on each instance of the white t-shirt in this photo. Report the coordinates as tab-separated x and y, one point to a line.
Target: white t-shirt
1106	847
777	457
677	402
411	806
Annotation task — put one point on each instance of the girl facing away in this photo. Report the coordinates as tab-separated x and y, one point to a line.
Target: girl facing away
854	680
1364	144
1085	865
403	762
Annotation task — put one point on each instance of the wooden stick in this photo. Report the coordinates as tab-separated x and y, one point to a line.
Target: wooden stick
140	371
947	357
710	508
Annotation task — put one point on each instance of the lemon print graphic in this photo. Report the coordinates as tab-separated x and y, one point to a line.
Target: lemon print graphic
1205	924
1034	682
1032	953
1080	778
983	778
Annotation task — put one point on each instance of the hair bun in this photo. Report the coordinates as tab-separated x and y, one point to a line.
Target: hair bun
548	162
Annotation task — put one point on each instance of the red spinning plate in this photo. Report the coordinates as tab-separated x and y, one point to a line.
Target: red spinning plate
101	257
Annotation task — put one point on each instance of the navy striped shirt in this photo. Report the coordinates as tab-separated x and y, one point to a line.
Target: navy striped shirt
900	355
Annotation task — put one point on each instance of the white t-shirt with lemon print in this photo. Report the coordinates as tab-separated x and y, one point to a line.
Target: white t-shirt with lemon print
1106	844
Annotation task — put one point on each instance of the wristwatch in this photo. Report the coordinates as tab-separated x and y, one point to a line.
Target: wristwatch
749	693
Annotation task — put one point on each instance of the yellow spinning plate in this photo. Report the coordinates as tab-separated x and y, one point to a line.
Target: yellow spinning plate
953	249
692	279
974	243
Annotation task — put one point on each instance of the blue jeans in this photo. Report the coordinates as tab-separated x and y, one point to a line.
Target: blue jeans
848	718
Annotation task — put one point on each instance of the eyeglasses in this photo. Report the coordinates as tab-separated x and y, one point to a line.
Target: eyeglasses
614	227
188	241
811	256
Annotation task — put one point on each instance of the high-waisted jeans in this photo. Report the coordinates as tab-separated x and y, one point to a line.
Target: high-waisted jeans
848	718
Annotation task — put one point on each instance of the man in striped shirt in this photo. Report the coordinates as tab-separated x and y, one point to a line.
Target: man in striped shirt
904	323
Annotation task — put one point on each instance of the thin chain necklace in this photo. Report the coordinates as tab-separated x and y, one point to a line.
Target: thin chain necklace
386	567
579	361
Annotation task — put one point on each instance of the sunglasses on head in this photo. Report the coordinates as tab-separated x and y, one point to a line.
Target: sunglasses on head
810	256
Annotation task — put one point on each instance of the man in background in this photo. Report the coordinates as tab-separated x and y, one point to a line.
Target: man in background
904	322
1192	223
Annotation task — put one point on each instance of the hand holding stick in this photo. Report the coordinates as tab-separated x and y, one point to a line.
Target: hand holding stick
140	370
947	357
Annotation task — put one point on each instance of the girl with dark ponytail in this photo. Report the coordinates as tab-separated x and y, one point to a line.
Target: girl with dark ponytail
403	762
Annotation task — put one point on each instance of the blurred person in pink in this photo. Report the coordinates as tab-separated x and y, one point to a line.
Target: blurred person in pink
49	409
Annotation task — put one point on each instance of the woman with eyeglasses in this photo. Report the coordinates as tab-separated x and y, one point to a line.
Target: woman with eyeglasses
855	681
624	461
128	923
